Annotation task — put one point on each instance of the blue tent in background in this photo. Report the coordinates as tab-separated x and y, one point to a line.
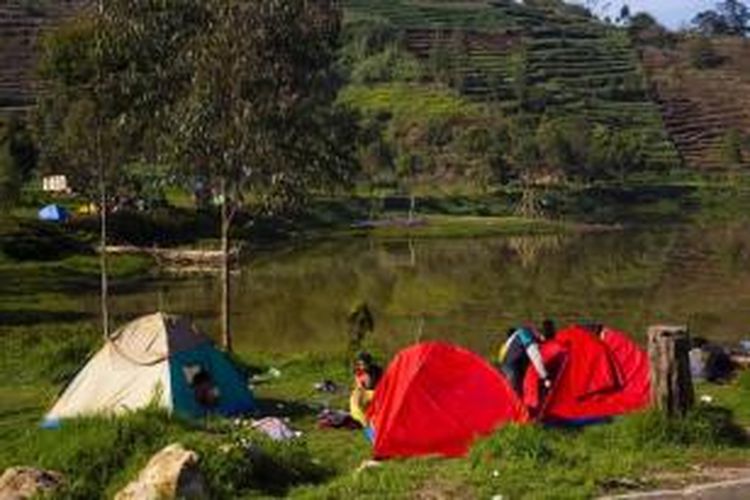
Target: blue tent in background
53	213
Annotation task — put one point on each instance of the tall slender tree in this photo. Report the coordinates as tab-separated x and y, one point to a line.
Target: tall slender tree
111	74
258	119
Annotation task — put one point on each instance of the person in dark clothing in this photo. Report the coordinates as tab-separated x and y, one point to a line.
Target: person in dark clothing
367	374
522	347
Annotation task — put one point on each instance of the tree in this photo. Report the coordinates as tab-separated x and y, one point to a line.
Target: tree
644	29
554	148
615	153
731	17
519	74
258	118
110	74
18	157
736	16
710	23
624	16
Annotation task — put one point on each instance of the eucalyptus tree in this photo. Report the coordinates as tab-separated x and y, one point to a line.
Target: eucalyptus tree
109	76
258	120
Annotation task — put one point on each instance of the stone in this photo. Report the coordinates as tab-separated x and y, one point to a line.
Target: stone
171	473
21	483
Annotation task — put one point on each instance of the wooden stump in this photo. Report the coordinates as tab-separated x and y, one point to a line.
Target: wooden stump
671	380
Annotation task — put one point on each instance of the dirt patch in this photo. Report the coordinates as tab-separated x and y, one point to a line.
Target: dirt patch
440	489
715	481
699	474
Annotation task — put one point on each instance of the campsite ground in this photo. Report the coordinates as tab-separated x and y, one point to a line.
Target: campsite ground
46	334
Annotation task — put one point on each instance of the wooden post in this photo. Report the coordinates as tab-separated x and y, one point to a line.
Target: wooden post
671	380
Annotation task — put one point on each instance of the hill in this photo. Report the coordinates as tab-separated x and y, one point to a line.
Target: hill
542	60
703	107
476	92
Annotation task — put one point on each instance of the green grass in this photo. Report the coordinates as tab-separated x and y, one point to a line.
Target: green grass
446	226
408	102
101	455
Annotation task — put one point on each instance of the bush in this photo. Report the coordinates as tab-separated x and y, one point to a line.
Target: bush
163	227
703	55
391	65
731	148
41	241
255	462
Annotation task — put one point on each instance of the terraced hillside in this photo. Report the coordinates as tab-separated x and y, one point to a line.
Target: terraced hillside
569	64
701	107
20	24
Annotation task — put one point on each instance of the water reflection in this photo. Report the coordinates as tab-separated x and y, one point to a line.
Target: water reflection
468	290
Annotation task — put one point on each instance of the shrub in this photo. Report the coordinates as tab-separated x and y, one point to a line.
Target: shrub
702	53
391	65
731	148
41	241
162	227
255	462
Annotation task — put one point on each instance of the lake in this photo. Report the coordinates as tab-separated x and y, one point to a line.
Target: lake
469	291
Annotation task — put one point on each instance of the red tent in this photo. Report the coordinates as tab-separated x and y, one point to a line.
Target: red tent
435	398
595	377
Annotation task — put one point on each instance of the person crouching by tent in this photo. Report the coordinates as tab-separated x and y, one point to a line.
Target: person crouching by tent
520	348
367	374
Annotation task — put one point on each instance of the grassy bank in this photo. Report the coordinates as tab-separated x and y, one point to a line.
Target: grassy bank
44	347
100	455
446	226
643	201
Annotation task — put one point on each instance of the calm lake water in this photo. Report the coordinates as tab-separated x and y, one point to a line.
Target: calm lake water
469	290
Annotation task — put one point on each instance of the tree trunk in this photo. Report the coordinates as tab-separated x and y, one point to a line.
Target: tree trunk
671	381
528	206
226	219
412	206
102	199
103	252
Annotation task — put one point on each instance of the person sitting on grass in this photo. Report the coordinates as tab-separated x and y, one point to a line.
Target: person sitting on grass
520	348
367	374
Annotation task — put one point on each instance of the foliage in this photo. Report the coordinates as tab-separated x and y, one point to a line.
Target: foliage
644	29
702	53
732	148
18	157
391	65
251	461
10	177
258	112
161	226
365	38
40	241
111	76
731	17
